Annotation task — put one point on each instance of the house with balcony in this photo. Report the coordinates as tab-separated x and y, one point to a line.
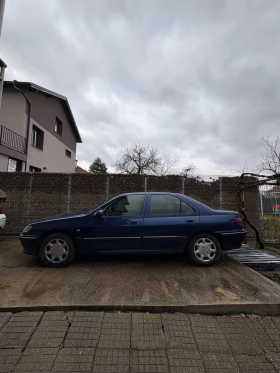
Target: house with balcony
38	132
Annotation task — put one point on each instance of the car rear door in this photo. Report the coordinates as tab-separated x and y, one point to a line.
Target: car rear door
120	227
168	222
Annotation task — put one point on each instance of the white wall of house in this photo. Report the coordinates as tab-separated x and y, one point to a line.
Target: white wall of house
52	157
12	114
4	162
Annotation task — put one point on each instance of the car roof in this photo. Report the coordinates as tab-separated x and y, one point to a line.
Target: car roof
202	207
174	194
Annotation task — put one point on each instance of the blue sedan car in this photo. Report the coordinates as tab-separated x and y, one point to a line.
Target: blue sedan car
137	223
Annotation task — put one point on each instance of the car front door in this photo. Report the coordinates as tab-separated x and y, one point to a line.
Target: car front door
168	222
119	228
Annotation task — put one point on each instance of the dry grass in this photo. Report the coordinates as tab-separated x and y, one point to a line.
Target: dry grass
270	226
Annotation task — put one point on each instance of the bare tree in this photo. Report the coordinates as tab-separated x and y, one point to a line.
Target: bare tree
271	158
189	170
167	164
144	160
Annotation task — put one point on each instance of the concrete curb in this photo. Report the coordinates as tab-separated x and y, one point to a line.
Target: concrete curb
271	309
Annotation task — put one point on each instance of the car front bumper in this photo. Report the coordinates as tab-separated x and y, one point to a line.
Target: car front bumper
30	244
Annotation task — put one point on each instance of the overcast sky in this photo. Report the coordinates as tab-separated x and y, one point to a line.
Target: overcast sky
198	79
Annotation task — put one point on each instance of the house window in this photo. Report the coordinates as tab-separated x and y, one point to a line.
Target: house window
34	169
14	165
37	138
67	153
58	126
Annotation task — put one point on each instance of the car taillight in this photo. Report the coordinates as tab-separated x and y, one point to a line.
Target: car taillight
1	210
239	221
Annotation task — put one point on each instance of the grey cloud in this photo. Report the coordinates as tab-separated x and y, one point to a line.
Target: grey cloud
199	79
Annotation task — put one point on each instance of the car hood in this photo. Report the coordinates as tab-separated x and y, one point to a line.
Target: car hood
75	214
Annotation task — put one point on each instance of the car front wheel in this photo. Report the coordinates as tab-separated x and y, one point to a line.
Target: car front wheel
57	250
203	249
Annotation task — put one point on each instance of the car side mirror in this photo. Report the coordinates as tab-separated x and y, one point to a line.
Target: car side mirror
98	214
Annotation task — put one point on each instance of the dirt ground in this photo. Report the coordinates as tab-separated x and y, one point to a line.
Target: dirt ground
146	283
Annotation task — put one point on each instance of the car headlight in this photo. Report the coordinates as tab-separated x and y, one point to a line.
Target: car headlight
27	229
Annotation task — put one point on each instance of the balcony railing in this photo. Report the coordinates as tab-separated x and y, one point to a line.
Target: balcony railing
12	139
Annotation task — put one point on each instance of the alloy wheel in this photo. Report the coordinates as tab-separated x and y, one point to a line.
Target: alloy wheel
56	250
205	249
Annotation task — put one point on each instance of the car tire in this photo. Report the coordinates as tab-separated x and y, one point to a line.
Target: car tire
204	250
57	250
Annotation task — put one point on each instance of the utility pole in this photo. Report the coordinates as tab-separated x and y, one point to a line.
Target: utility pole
2	74
2	6
3	65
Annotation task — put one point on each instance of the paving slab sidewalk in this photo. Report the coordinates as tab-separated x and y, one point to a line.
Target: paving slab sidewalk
138	342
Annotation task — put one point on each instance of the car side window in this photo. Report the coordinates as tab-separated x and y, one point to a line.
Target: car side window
164	204
126	206
186	209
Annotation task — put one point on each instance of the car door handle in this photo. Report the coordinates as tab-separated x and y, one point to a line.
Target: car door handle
134	222
189	221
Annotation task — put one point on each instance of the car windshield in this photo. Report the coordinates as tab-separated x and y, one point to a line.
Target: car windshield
96	208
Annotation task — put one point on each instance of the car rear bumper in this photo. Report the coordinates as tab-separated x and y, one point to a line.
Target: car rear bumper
30	244
231	239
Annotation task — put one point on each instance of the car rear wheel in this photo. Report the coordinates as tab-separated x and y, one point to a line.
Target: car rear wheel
57	250
203	249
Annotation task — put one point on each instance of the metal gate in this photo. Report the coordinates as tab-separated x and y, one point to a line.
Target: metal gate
270	213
